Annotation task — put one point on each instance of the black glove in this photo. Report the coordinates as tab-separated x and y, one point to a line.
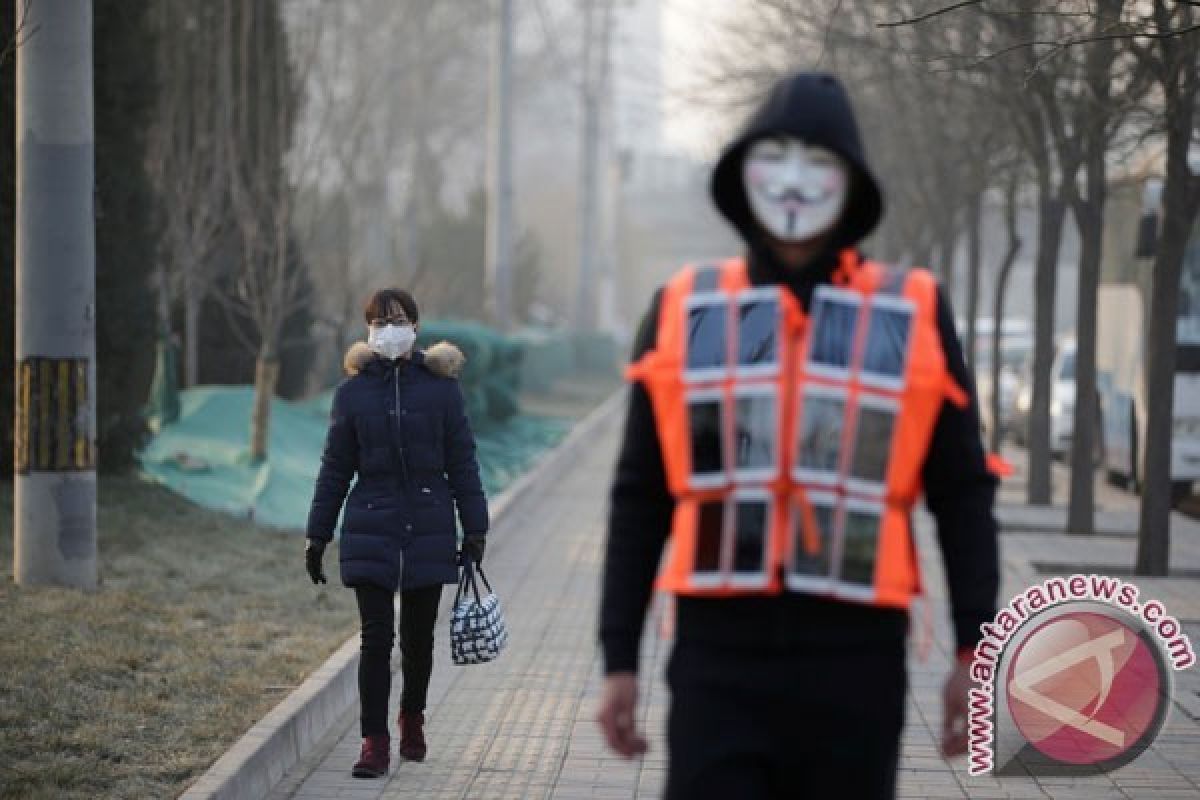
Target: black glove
473	546
313	552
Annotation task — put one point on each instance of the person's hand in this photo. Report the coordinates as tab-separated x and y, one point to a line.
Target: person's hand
616	714
313	552
955	703
473	546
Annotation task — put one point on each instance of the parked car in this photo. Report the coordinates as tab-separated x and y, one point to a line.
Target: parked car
1016	341
1062	398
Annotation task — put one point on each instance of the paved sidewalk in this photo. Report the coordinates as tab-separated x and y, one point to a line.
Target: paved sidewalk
523	727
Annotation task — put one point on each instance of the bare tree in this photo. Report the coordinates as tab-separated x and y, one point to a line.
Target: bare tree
341	210
185	162
394	111
935	133
1083	96
1173	63
1066	79
1080	112
1011	204
257	79
1032	128
1089	136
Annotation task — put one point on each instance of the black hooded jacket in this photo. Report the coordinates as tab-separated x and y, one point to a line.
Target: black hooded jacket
959	490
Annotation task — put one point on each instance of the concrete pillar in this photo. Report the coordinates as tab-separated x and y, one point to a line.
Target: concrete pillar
55	459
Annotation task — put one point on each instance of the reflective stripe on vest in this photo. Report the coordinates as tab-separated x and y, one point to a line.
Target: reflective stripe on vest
793	442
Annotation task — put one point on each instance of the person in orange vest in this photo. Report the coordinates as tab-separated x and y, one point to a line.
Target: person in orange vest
787	410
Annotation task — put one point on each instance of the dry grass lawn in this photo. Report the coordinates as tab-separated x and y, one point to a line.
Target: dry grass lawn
203	623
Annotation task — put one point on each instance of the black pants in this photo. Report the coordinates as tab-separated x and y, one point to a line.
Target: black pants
795	724
418	613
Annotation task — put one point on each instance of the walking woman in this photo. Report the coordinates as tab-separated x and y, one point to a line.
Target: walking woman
398	423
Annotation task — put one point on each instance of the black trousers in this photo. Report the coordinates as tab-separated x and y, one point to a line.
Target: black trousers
788	724
418	614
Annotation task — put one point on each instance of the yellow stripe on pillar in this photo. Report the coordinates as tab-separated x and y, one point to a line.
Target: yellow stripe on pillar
82	461
45	384
62	423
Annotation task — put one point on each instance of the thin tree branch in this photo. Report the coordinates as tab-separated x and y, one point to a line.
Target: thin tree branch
19	34
930	15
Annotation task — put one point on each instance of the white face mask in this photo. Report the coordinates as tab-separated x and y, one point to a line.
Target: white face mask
796	191
391	341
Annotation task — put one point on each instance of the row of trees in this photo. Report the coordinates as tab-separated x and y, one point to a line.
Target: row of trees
1029	102
304	148
156	225
260	167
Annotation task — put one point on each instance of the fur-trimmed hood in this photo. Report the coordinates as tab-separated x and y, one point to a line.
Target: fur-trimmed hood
443	359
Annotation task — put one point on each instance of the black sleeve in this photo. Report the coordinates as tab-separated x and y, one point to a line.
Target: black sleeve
639	521
339	462
462	465
959	491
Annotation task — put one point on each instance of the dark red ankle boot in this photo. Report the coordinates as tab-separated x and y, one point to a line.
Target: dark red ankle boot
373	761
412	736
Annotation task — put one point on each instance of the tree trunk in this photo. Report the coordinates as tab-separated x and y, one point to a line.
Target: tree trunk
266	375
163	292
1155	517
191	330
1010	258
1089	213
945	266
974	261
1051	211
1181	200
1094	127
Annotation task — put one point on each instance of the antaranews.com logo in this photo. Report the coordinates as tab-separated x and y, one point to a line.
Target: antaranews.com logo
1074	677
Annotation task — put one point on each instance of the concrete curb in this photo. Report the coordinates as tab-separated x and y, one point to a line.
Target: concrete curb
277	742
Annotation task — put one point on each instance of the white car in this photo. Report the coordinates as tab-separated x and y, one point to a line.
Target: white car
1062	399
1016	340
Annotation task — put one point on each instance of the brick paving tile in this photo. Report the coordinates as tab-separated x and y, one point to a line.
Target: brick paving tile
523	726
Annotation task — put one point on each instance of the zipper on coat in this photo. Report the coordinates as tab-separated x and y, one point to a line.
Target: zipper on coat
399	429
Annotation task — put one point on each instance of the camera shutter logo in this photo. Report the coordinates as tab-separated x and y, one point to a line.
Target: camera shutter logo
1086	688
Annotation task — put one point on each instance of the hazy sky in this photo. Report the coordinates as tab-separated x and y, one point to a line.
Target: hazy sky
690	29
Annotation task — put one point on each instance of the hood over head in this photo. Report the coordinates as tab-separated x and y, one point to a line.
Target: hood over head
442	359
813	107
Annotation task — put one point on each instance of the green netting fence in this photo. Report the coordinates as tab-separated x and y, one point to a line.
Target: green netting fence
201	441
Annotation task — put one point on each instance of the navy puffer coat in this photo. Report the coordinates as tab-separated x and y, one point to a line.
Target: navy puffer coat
402	429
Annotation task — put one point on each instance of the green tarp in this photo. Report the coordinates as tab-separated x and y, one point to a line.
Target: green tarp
201	435
202	455
491	378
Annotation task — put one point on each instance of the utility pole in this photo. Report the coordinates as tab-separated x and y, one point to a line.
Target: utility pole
586	202
500	184
609	170
592	92
55	426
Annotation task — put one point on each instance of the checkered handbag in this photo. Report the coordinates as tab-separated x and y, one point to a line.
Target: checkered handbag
477	629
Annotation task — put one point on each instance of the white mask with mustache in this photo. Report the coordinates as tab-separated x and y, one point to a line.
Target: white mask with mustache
796	191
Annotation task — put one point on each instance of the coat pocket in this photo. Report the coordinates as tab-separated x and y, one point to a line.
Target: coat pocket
380	516
433	510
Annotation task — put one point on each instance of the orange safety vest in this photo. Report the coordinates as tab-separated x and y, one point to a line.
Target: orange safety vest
793	443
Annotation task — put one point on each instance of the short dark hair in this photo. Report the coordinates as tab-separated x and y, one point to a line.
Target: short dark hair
386	302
